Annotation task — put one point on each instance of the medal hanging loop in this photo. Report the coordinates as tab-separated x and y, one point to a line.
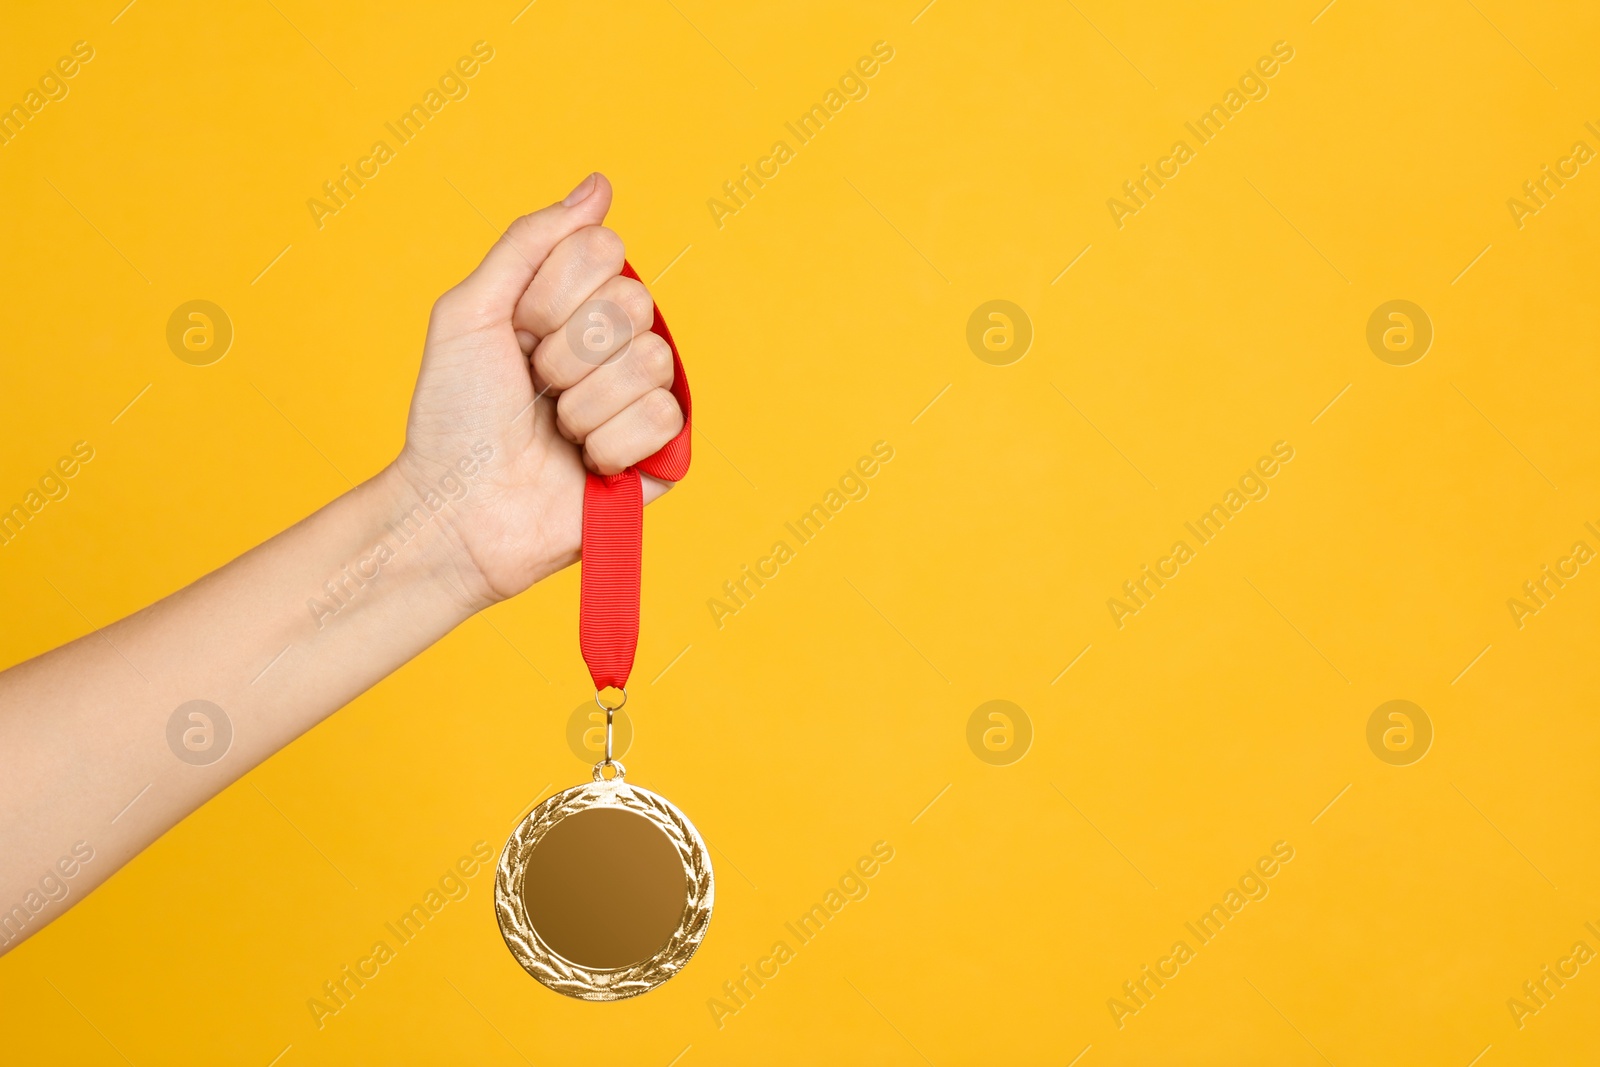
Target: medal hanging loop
611	710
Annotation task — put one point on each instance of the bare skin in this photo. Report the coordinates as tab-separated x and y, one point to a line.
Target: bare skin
484	500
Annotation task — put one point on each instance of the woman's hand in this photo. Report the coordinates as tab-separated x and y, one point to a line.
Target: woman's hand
542	359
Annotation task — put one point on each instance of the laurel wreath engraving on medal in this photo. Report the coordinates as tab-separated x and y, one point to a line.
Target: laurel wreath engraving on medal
563	975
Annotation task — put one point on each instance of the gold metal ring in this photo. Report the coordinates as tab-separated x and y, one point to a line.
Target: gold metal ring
611	707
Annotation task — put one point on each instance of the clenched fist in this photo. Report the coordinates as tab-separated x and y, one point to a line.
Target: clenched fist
544	354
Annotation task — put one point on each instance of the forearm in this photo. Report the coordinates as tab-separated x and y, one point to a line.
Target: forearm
278	640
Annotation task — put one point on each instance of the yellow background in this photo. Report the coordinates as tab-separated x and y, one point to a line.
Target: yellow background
827	714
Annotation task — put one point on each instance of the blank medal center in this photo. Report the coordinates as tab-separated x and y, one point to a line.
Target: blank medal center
605	888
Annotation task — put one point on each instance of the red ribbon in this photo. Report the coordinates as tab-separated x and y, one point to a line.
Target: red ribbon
613	541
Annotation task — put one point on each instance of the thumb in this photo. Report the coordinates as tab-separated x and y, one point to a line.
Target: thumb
496	284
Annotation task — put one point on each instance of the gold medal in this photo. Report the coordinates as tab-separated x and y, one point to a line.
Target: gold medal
605	889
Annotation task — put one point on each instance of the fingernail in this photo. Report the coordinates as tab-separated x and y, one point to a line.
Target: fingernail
581	193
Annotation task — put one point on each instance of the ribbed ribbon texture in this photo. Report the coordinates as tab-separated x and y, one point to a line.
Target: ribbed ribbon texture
613	541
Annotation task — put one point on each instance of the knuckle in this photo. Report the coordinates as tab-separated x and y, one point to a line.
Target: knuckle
661	412
456	309
452	301
444	307
566	419
602	246
632	297
522	230
603	456
548	367
654	360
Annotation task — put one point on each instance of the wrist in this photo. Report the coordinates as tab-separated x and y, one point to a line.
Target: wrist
416	535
